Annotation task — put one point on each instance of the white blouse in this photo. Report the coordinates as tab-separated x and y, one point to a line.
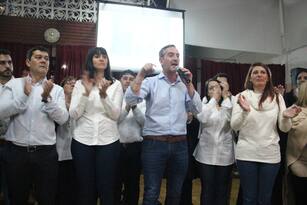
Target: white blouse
96	118
258	136
215	146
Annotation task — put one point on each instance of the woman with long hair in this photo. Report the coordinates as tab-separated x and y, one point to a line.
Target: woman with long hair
95	106
256	115
297	149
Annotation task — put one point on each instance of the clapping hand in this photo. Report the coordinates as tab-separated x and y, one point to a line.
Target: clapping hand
292	111
103	85
243	103
47	87
28	86
88	83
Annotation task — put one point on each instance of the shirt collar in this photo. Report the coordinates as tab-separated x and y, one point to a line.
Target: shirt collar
162	76
39	82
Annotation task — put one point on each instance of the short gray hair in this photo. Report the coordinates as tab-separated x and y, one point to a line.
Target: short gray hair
163	50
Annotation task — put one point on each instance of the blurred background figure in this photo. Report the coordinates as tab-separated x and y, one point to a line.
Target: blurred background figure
291	97
66	175
6	74
130	126
297	148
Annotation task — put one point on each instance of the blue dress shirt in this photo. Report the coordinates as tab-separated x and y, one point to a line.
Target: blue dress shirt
167	105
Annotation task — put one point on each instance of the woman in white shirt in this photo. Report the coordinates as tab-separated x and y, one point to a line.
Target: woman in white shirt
95	106
214	151
256	115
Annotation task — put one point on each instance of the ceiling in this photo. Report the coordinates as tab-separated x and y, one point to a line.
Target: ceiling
226	55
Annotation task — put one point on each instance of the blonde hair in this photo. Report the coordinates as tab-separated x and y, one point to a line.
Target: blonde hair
302	95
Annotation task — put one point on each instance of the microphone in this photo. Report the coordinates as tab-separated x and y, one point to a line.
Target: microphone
182	75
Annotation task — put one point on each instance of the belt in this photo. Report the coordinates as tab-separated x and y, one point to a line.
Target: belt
166	138
31	148
130	144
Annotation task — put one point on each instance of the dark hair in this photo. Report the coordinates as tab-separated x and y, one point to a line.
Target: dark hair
66	79
4	51
269	88
207	90
36	48
127	72
302	70
162	51
89	62
220	75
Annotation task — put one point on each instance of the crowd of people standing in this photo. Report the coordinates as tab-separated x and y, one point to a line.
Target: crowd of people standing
91	138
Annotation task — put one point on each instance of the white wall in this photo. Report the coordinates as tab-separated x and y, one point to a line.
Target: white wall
296	23
245	25
296	36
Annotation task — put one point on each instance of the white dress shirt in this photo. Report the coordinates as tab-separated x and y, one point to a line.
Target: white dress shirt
31	120
215	146
130	123
96	118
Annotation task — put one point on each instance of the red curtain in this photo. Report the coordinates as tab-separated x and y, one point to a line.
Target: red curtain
191	64
236	74
18	54
71	57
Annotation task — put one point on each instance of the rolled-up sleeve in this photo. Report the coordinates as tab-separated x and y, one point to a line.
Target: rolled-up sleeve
132	98
194	104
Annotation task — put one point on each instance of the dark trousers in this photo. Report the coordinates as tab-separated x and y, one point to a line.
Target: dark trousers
186	192
66	193
96	171
128	190
215	183
192	140
24	167
3	180
158	156
257	180
299	185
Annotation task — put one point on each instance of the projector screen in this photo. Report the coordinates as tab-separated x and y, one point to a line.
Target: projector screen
134	35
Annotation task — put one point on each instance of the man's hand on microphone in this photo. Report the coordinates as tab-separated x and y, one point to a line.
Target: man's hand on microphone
188	83
188	74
